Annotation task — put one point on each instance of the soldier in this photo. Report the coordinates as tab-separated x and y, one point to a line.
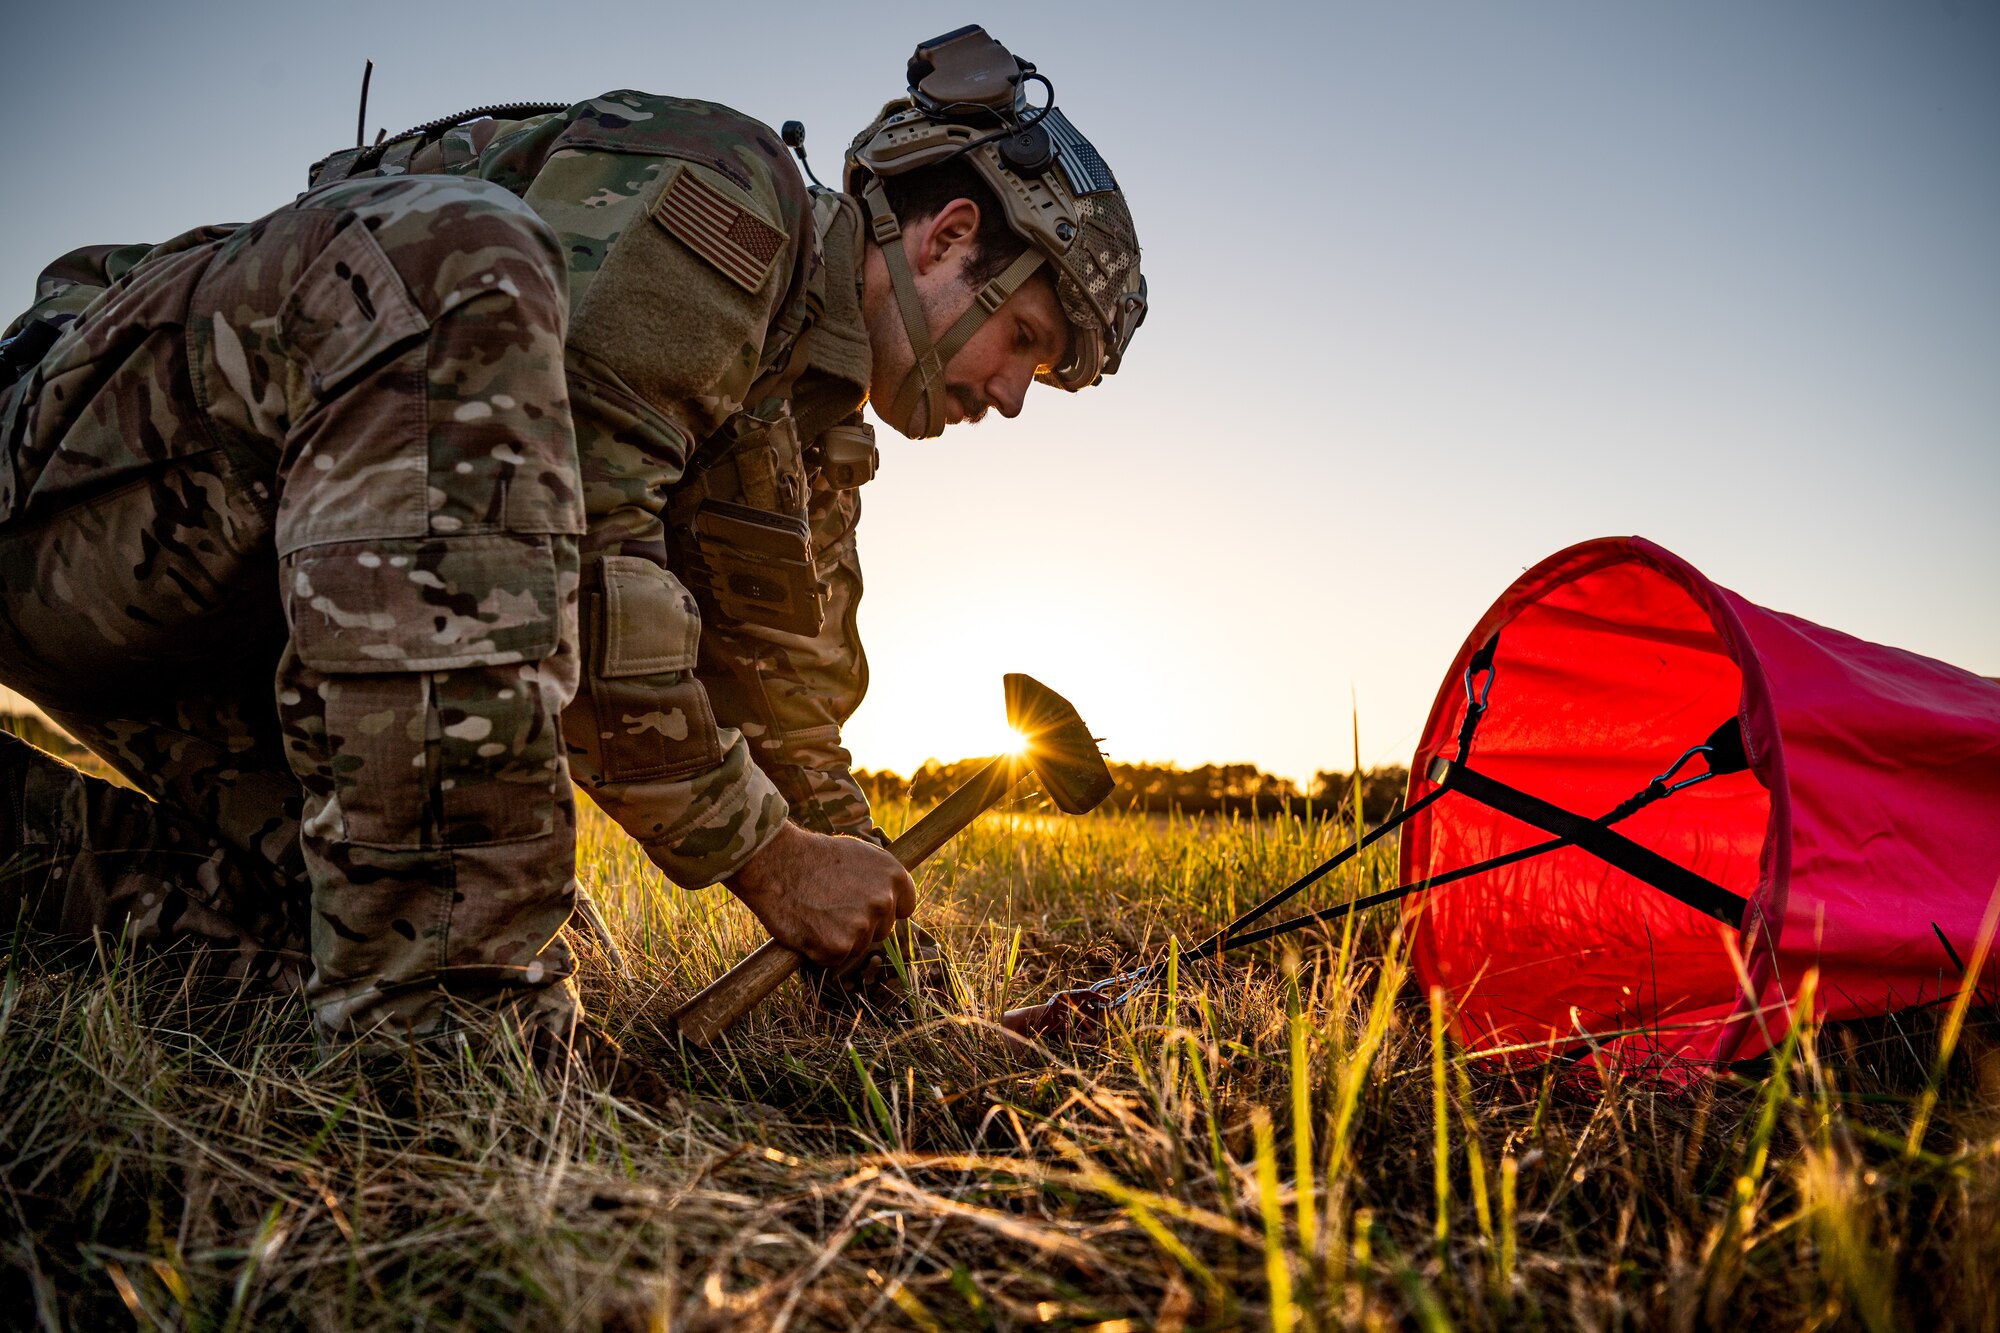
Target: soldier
520	449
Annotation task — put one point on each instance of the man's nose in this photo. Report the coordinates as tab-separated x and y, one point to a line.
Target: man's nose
1007	391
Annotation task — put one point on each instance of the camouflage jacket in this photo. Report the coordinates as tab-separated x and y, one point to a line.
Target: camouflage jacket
716	353
716	360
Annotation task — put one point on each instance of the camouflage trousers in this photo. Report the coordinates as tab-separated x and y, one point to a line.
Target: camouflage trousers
288	531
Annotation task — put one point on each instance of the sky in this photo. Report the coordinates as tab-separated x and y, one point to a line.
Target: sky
1437	290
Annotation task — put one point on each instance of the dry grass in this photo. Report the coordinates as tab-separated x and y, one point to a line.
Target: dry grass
1278	1144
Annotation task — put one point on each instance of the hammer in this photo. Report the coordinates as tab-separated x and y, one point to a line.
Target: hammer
1060	752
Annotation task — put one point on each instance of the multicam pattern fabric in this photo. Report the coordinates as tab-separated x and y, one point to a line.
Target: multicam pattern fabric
765	707
447	428
356	402
790	693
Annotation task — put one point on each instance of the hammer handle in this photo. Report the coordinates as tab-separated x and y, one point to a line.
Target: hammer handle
717	1007
735	993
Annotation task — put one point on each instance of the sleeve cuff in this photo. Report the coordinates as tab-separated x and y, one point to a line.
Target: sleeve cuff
736	811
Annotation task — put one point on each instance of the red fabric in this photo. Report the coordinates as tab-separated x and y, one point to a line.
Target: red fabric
1870	814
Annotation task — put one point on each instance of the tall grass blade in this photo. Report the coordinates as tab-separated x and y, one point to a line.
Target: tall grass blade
1302	1132
1277	1260
1740	1217
885	1119
1954	1023
1440	1128
1475	1150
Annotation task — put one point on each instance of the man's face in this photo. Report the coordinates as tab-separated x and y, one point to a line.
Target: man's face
1025	336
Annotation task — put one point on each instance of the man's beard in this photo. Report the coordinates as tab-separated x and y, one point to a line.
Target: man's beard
886	329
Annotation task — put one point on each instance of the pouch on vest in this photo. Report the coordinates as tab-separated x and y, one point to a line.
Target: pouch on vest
755	566
653	717
845	456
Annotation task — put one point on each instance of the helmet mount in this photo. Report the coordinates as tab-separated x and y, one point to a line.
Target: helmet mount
1027	151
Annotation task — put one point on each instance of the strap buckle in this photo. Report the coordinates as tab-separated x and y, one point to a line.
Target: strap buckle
881	217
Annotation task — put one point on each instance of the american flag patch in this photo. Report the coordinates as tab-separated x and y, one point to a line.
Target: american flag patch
721	231
1087	171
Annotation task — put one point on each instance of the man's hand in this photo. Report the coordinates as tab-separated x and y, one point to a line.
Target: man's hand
832	899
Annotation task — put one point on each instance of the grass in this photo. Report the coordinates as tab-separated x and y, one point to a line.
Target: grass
1289	1143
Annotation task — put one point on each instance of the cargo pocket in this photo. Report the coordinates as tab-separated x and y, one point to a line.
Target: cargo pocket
442	758
379	763
653	717
439	728
349	310
499	759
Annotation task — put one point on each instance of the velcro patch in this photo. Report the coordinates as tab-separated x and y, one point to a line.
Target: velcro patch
723	232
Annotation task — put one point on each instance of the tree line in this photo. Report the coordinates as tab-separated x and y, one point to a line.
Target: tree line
1212	789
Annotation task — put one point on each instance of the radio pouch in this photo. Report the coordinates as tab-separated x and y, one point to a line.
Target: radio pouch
756	566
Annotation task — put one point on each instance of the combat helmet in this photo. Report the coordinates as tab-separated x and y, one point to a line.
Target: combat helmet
968	99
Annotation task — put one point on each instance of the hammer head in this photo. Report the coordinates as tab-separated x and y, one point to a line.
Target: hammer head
1061	750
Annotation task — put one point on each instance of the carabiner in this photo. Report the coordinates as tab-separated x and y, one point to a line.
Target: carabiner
1665	784
1138	978
1476	698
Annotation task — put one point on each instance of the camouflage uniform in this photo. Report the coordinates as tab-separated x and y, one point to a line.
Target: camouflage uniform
492	516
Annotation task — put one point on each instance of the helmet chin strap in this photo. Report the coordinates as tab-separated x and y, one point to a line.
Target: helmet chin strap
926	377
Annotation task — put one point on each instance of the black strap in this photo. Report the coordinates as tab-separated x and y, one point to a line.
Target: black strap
1436	881
1641	863
1483	659
1724	751
1226	937
1475	708
1725	754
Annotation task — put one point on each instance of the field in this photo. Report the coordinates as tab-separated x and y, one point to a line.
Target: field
1283	1143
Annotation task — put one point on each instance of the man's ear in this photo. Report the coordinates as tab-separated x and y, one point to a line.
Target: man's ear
948	237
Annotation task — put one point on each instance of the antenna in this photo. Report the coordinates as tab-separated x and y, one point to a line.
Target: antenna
361	119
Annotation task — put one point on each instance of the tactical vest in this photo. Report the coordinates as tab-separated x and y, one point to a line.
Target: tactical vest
740	514
738	519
